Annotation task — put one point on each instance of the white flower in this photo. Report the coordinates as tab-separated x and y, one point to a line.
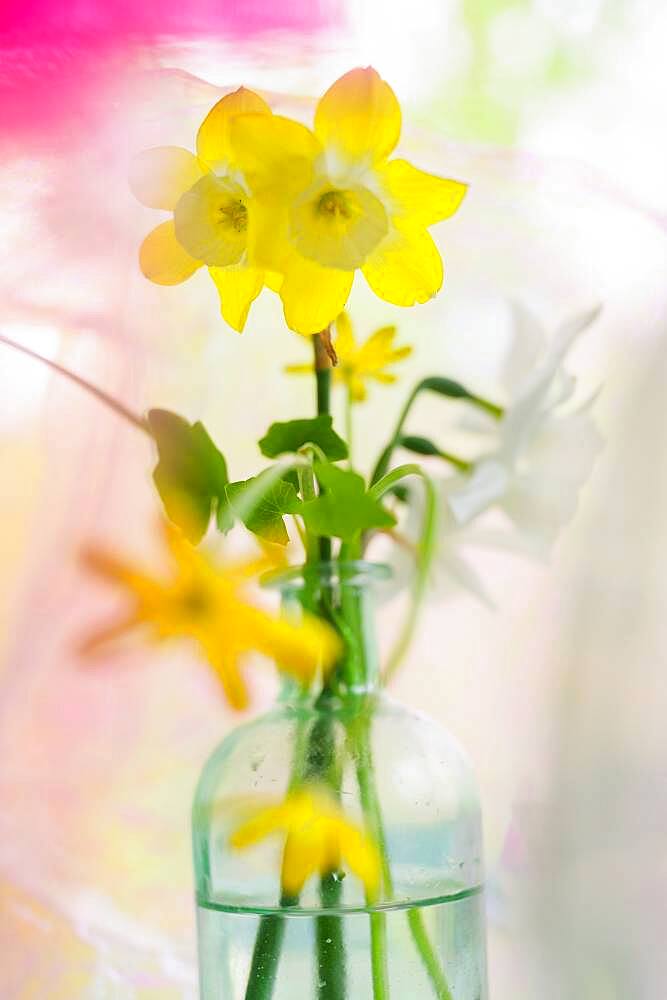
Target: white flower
542	450
453	567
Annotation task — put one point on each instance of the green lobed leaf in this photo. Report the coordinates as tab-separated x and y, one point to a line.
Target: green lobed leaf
191	474
294	434
344	508
260	510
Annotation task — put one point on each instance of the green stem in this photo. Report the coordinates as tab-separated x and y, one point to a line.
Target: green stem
323	363
331	975
266	954
99	394
371	810
329	938
385	458
349	426
444	387
425	555
373	814
462	464
428	955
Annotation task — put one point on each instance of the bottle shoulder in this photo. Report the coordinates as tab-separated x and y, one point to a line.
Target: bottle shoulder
422	781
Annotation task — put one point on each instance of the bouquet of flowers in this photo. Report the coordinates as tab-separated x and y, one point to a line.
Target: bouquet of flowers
337	780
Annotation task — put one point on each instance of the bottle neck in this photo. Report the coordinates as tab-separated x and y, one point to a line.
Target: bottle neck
342	593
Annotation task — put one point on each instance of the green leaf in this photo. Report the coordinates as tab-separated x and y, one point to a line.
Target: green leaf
293	434
260	509
191	473
343	508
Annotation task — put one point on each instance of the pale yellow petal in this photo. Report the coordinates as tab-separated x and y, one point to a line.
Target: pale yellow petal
313	296
159	176
337	227
238	287
213	140
163	259
359	116
275	153
405	269
211	221
418	198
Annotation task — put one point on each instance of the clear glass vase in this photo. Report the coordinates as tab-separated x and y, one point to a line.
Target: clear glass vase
396	773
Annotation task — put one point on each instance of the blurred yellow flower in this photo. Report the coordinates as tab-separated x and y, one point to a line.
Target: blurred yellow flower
358	363
319	839
204	602
330	202
212	210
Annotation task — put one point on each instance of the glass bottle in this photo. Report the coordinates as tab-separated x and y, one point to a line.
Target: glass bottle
394	771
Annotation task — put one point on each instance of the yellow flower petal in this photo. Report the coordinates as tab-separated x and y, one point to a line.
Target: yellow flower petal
361	856
337	227
97	640
319	839
268	247
163	259
299	369
313	296
263	824
275	153
301	649
360	116
302	857
238	287
159	176
377	349
273	280
225	663
211	221
345	342
420	198
213	142
356	386
405	269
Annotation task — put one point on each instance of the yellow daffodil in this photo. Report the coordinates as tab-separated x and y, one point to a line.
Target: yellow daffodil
330	201
358	363
204	602
319	839
212	210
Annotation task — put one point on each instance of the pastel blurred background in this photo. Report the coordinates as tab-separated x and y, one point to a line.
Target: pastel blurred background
554	111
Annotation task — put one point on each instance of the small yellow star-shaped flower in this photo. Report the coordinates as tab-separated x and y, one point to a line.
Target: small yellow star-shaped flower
207	603
359	363
319	839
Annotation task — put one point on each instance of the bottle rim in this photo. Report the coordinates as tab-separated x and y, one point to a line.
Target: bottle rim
331	573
